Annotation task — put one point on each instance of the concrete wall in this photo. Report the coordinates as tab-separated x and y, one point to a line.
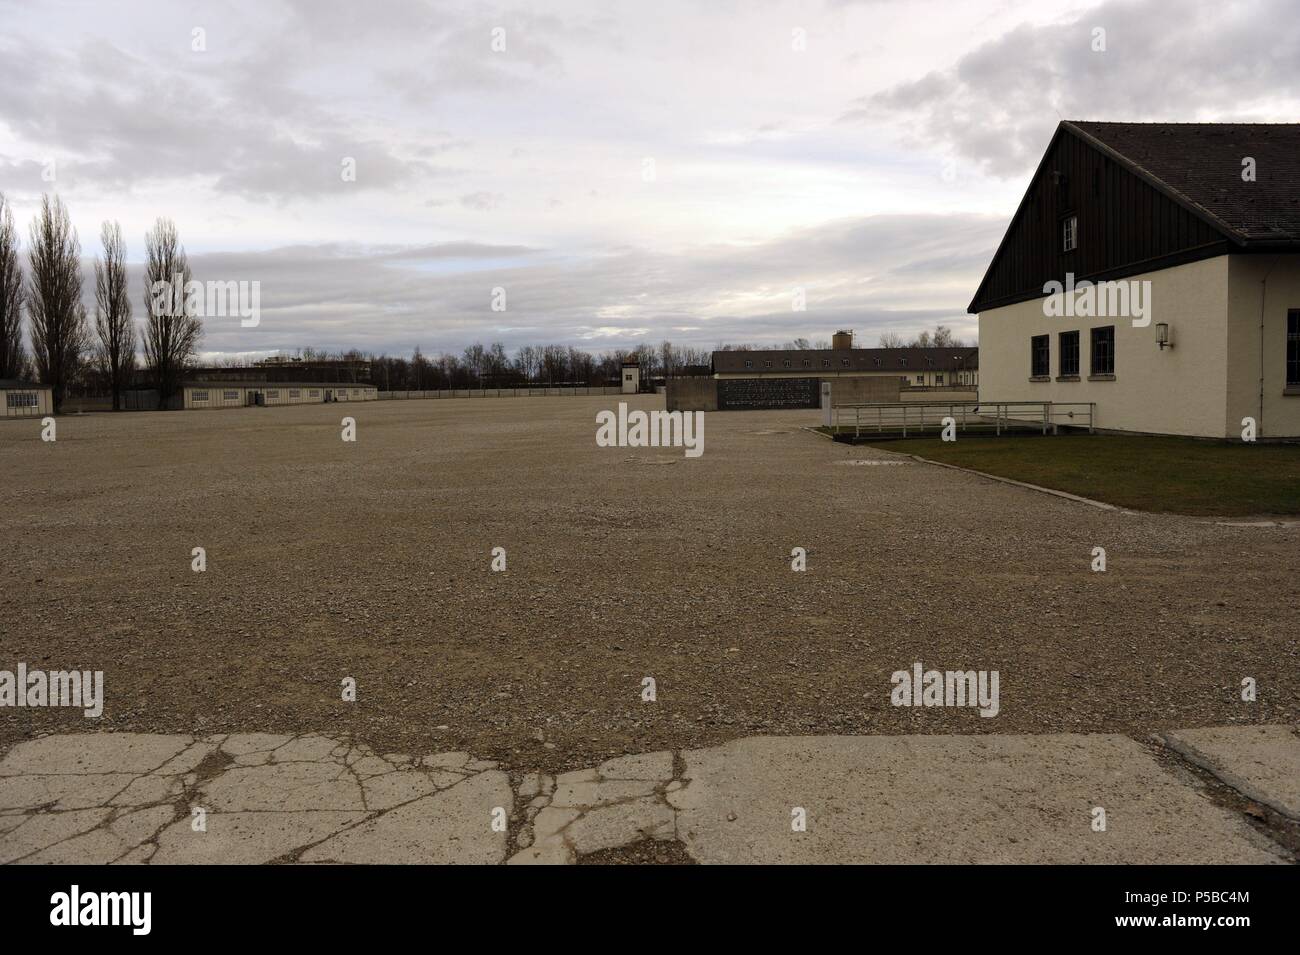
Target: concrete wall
938	396
26	402
864	388
1180	390
692	394
914	376
556	391
1261	287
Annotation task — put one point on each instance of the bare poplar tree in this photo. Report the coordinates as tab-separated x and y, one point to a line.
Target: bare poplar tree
172	330
113	313
58	318
13	356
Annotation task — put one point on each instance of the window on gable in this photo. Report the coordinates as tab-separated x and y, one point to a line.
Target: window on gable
1069	233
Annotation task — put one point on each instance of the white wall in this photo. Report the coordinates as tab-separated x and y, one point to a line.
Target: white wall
1273	282
1179	390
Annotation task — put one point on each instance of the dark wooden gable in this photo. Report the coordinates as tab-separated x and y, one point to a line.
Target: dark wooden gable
1125	225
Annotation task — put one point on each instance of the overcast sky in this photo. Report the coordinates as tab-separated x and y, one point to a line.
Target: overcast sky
627	171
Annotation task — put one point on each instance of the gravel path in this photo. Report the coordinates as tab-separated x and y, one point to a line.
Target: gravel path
371	560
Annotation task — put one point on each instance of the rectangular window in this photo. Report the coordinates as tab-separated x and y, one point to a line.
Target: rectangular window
786	363
826	362
273	394
1103	351
749	364
1069	233
844	362
230	395
938	378
1293	347
920	379
807	362
1069	354
200	396
767	363
314	393
21	399
1040	356
295	393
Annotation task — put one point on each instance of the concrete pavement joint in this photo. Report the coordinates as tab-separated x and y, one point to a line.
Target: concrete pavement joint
1263	818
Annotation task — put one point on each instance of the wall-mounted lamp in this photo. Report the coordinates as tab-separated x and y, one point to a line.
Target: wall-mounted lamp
1162	336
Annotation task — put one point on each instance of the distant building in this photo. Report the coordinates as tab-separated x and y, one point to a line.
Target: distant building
1195	229
631	376
210	394
199	395
917	367
25	399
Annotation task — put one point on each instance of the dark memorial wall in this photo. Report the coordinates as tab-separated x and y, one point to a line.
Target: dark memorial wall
739	394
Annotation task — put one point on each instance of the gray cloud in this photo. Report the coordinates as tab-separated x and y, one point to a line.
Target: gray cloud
1200	60
857	273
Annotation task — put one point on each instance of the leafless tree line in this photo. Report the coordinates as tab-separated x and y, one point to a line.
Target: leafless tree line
491	366
64	345
941	337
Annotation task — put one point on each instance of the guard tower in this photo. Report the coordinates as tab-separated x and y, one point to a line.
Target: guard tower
631	375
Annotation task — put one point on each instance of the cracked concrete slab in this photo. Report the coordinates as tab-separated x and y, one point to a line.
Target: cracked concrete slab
247	838
1260	762
83	753
452	826
951	799
131	798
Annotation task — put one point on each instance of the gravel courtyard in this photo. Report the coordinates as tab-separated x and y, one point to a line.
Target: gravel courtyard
371	560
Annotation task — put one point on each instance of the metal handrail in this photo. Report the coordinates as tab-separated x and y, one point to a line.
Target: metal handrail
896	415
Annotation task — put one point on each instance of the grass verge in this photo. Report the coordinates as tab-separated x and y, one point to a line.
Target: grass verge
1169	475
